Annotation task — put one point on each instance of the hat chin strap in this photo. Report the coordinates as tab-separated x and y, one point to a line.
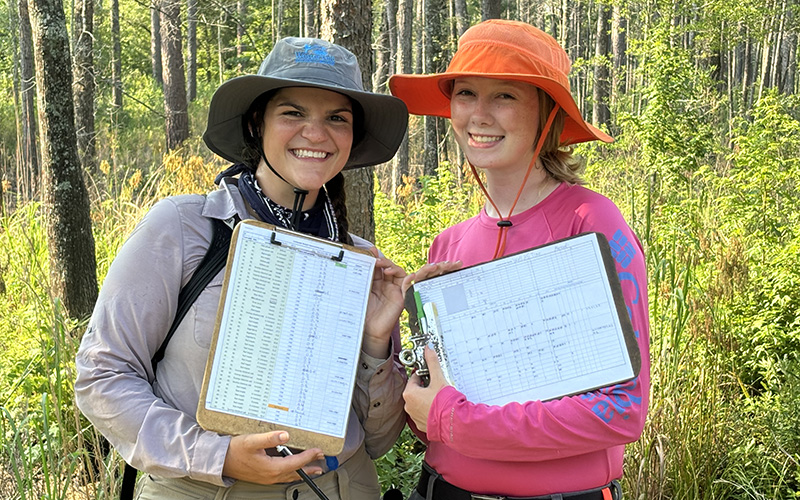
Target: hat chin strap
299	194
504	223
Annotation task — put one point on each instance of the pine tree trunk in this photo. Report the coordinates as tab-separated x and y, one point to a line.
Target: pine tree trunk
419	36
462	17
116	65
775	63
155	42
28	175
765	65
491	9
405	21
83	70
349	24
175	105
431	48
619	28
747	77
221	47
241	22
310	18
391	30
382	57
277	14
66	201
191	49
790	57
600	112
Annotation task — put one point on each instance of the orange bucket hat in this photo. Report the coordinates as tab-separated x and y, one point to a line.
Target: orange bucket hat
505	50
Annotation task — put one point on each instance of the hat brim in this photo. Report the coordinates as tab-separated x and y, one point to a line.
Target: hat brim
385	118
426	95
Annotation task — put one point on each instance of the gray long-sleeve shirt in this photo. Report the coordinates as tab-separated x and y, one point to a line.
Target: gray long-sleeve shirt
152	425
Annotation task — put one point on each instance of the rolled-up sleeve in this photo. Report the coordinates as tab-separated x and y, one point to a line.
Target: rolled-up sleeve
378	399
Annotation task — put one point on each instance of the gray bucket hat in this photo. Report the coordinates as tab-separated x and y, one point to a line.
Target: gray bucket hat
307	62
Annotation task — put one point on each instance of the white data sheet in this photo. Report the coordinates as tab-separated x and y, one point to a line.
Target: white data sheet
536	325
290	331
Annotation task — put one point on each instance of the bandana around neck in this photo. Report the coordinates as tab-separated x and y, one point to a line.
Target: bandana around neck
319	220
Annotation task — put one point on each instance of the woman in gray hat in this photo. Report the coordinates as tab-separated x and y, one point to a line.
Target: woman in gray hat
290	130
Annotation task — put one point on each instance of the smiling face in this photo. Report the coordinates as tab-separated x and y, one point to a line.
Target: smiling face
495	122
307	137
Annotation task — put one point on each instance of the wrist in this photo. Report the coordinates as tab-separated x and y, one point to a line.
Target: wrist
377	347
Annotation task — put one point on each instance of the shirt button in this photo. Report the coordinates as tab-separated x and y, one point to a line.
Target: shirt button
364	366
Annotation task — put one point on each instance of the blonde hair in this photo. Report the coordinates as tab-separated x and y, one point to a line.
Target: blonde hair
557	158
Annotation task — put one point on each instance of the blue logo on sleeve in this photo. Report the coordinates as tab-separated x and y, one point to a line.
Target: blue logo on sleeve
621	249
614	400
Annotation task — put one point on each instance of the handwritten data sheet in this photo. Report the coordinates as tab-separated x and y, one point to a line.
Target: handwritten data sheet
536	325
290	332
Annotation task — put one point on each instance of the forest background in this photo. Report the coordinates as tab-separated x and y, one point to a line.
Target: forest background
701	97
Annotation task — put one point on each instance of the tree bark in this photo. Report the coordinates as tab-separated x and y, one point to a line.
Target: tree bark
391	30
788	52
600	112
790	63
405	21
116	65
619	47
431	49
491	9
191	49
462	17
221	46
277	15
83	70
241	22
383	59
349	23
764	72
28	171
155	42
747	77
310	18
66	201
175	105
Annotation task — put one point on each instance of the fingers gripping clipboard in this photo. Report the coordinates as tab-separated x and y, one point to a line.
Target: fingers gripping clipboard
540	324
287	340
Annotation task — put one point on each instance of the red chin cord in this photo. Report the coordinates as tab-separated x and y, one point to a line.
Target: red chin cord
504	223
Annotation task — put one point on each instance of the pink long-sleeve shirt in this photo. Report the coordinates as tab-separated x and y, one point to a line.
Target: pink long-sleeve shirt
538	448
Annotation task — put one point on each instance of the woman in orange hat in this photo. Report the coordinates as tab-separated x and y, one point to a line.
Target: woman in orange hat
506	92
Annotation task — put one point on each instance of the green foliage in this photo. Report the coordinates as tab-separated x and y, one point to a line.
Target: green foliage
399	467
676	129
722	253
764	177
405	229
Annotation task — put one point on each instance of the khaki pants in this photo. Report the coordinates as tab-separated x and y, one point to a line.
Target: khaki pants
355	479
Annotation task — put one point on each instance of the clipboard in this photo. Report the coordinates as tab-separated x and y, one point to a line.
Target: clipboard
540	324
287	340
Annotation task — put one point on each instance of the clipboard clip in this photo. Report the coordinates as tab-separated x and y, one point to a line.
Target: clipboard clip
338	258
414	357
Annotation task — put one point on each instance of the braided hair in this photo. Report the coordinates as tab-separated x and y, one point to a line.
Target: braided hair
337	195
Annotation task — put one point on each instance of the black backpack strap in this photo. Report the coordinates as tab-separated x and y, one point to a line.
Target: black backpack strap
128	483
214	260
